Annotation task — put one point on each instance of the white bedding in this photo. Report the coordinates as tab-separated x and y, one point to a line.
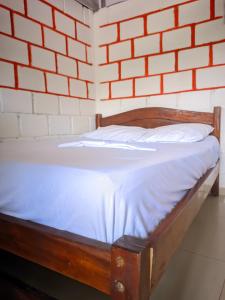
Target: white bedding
100	193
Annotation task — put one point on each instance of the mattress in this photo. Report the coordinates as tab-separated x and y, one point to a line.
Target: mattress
97	192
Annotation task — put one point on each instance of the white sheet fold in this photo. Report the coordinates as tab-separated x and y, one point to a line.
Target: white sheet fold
105	144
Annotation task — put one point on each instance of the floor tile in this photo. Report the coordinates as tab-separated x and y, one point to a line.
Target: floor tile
191	276
206	235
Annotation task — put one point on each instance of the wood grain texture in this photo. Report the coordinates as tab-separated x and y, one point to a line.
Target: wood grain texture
80	258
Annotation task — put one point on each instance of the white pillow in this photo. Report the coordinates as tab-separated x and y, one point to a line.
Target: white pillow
185	132
116	133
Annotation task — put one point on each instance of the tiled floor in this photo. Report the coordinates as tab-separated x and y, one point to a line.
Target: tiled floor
196	272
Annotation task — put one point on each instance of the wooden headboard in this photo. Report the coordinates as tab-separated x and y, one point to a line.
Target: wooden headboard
151	117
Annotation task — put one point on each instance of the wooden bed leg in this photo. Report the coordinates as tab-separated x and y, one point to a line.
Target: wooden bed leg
131	268
215	191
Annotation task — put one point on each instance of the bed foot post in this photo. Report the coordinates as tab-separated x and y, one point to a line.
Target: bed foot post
130	269
215	191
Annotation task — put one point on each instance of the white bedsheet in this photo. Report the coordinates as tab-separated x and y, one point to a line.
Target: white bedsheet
100	193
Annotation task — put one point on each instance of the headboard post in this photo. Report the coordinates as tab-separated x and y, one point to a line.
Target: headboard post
216	121
98	120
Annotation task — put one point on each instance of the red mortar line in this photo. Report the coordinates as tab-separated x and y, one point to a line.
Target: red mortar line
12	23
161	42
53	19
212	9
133	88
43	92
25	8
146	14
118	32
166	73
161	84
164	31
87	91
107	54
68	84
176	16
51	28
165	52
16	76
45	80
44	48
110	90
193	35
145	25
42	70
42	36
211	55
67	47
56	63
194	79
29	54
165	93
119	71
64	13
176	61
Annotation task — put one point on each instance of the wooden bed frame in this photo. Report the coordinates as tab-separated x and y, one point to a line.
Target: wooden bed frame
131	267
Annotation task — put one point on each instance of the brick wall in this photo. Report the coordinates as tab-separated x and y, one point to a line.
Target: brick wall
46	71
161	53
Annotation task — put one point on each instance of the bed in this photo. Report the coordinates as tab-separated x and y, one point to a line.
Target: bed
128	267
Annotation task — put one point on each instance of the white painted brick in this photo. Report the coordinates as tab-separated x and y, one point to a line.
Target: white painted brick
122	88
74	9
7	74
106	35
64	24
167	101
69	106
217	99
133	68
8	126
100	55
27	30
33	125
31	79
76	50
39	11
67	66
211	77
16	101
160	21
87	107
219	53
103	91
109	107
179	81
194	12
210	32
80	124
86	72
78	88
59	125
134	8
176	39
87	16
161	63
219	8
193	58
91	90
197	101
43	58
147	45
59	3
5	22
173	2
147	86
54	40
17	5
84	33
120	51
45	104
14	50
134	103
57	84
108	72
132	28
90	55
